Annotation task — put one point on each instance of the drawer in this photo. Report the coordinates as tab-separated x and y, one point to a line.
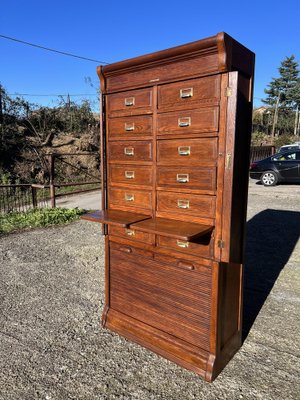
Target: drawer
203	247
187	178
131	198
188	121
201	151
157	72
132	234
130	126
187	93
132	175
187	204
130	151
131	101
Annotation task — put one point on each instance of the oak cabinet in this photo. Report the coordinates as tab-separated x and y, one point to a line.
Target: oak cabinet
175	137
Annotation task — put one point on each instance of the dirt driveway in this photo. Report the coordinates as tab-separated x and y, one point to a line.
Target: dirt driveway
51	296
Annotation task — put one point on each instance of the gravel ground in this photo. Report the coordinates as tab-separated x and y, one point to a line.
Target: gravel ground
52	346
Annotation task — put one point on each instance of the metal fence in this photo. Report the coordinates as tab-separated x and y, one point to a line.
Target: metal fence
22	197
261	152
80	178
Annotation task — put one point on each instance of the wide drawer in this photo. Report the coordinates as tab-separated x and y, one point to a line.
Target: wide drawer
188	121
201	151
202	64
130	198
173	300
131	101
187	93
132	234
132	175
187	178
130	126
203	247
130	151
188	204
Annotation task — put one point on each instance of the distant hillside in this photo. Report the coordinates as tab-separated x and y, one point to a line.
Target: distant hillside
29	133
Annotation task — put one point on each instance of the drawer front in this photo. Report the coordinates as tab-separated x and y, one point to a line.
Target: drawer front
185	94
129	198
130	151
187	151
180	69
132	234
188	121
132	175
187	178
187	204
131	101
130	126
173	300
202	249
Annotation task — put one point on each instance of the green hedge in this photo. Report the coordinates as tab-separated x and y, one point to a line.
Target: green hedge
35	218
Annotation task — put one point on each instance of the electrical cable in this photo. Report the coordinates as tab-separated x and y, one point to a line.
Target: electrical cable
53	50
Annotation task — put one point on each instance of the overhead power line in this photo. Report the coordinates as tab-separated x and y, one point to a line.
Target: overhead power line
53	50
52	95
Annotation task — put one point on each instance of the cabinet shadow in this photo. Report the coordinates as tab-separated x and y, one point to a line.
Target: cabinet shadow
271	238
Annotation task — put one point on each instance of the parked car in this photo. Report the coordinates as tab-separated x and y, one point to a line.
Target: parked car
281	167
289	147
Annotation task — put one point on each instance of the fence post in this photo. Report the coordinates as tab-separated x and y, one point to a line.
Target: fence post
34	196
52	185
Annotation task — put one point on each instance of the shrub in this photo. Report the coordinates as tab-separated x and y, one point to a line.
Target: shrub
41	217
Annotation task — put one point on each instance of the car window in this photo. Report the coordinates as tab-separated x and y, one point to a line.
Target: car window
285	157
288	148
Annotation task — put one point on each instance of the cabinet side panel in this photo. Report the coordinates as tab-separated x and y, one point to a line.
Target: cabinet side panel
236	176
230	302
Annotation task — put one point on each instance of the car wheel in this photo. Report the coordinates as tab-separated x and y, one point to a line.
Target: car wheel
269	178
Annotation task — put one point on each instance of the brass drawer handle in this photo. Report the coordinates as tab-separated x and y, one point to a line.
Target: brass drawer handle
186	93
129	151
129	197
183	204
184	121
129	232
184	245
129	101
182	178
184	150
129	174
129	126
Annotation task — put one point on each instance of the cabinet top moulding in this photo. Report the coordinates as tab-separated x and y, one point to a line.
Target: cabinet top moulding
216	54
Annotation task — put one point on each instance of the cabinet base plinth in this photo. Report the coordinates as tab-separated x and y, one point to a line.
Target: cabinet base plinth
174	349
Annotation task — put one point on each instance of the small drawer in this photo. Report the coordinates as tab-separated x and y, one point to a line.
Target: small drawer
187	178
203	247
199	152
133	175
128	249
188	204
188	121
130	198
132	234
130	151
130	126
186	93
131	101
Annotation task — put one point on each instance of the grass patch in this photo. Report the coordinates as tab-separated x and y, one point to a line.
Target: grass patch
40	217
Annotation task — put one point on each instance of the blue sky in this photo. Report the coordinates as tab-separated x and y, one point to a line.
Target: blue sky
116	30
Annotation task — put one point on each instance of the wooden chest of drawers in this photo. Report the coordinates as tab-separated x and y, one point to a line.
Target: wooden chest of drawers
175	132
